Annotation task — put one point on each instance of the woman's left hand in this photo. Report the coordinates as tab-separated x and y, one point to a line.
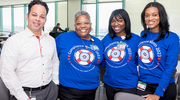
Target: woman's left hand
151	97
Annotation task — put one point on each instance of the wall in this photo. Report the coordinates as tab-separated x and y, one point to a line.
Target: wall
0	19
73	7
62	14
173	10
134	9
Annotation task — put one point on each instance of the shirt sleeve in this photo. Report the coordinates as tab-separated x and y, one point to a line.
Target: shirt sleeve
101	51
61	29
142	33
55	66
54	29
171	63
103	63
58	45
9	57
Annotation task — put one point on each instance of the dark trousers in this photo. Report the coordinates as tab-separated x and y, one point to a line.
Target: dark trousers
67	93
169	94
49	93
111	91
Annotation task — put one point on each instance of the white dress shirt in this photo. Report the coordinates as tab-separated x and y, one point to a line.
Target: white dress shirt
28	62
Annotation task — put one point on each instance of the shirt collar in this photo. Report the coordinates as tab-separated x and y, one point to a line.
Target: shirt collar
31	34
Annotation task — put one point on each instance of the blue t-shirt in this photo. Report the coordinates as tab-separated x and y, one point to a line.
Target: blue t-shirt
158	60
79	61
120	61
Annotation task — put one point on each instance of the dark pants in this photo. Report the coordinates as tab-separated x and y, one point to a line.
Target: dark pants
49	93
111	91
169	94
67	93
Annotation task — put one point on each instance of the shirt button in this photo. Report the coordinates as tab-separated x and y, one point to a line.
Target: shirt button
42	64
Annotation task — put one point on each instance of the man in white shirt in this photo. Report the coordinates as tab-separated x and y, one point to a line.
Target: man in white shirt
29	59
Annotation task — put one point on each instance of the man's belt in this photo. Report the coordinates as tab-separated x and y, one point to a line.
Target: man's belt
35	89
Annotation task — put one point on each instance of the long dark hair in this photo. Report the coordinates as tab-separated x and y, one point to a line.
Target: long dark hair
118	13
163	24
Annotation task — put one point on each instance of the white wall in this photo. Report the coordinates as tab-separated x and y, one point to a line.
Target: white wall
0	21
62	14
73	7
173	10
134	9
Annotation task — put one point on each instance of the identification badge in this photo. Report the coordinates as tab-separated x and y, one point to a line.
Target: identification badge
32	97
121	45
94	47
141	86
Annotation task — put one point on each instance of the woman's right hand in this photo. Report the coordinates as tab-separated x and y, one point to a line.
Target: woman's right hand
151	97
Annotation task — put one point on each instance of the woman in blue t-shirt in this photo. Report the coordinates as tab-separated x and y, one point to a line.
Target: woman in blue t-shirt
120	55
80	55
157	55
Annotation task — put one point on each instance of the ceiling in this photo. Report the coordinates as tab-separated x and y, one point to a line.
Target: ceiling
16	2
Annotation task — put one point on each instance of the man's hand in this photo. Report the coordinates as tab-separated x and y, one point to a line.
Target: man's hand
151	97
28	99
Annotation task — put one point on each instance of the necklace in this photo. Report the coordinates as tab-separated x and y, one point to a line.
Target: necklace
152	37
122	38
85	44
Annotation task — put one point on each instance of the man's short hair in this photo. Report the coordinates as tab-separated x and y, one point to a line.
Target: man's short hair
39	2
58	24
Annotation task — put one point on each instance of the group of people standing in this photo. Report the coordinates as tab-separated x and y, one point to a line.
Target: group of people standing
139	65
